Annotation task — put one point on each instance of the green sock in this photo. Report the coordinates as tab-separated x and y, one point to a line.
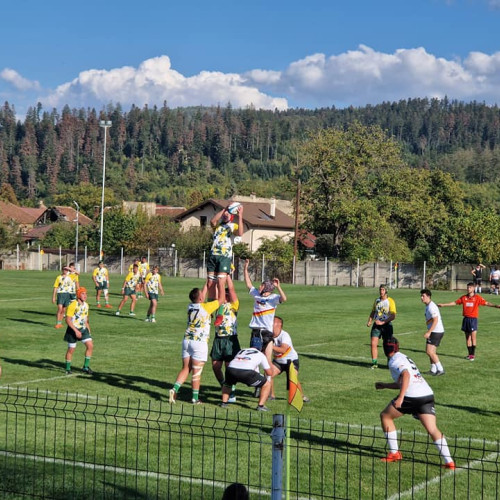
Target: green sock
152	316
68	365
195	395
86	363
177	386
220	311
374	361
98	302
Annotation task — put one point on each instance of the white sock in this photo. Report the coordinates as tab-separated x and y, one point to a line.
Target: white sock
442	447
433	368
392	440
439	367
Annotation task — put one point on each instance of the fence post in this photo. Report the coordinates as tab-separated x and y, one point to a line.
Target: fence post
121	260
85	261
278	437
263	266
17	257
424	273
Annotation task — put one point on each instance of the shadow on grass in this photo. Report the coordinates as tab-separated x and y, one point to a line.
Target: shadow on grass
350	362
473	409
40	313
130	382
30	321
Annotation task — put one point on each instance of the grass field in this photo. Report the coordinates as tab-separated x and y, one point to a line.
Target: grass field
139	360
134	360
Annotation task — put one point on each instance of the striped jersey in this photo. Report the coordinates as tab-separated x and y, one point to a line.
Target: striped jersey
264	309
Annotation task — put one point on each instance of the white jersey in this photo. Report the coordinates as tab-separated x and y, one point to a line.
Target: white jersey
264	309
431	312
290	354
249	359
418	387
495	274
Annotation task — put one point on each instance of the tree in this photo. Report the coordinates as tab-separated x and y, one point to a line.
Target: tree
88	198
342	169
278	257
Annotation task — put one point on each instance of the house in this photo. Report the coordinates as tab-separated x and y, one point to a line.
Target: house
23	218
62	214
51	215
261	220
151	209
168	211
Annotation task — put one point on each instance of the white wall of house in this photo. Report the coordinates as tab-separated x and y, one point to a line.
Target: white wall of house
255	237
194	219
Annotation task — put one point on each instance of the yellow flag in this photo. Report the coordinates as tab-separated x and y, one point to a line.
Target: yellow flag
294	393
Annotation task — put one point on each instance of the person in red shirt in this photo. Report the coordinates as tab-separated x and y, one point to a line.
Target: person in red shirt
470	311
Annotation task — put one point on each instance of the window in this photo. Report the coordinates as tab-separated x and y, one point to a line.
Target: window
203	220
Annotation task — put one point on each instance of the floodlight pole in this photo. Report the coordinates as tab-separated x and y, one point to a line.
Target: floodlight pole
76	238
105	125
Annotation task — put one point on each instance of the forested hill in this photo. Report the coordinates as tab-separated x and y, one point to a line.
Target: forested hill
180	156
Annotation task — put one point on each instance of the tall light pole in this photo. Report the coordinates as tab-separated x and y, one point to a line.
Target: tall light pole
76	238
105	125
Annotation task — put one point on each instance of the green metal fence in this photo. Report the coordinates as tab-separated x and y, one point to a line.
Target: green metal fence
63	446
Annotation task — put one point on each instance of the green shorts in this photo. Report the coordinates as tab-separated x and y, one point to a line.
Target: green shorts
70	336
102	286
129	291
219	264
64	299
225	348
153	296
384	331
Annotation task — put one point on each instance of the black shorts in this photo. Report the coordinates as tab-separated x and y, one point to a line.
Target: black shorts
248	377
435	338
260	338
469	325
477	281
417	406
285	367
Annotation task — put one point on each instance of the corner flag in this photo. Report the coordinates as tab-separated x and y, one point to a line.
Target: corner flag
294	392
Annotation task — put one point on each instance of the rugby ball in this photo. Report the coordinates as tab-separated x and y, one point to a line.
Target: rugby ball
233	208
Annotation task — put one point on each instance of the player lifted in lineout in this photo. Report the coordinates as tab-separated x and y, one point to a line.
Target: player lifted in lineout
221	253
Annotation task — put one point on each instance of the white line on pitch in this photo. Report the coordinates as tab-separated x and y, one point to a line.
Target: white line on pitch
122	470
44	299
38	380
437	479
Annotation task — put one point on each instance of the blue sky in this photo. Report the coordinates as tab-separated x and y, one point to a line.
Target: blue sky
270	54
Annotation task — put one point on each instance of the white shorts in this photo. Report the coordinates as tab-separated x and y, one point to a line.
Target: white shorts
196	349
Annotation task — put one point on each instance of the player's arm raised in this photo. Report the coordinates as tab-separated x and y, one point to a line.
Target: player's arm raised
248	281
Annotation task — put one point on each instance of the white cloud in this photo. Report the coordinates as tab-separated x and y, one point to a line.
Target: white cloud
19	82
355	77
154	82
365	76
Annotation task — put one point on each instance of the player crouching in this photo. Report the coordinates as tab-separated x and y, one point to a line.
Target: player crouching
245	368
